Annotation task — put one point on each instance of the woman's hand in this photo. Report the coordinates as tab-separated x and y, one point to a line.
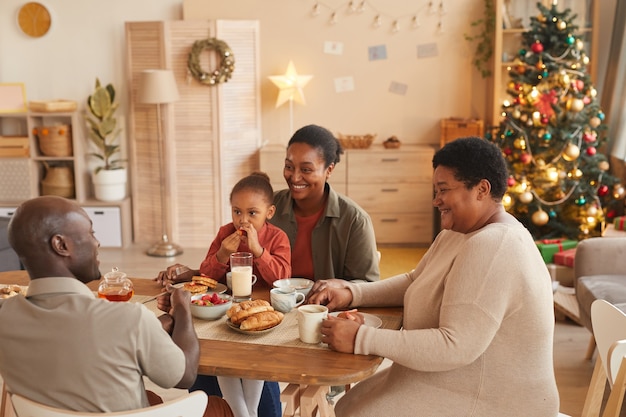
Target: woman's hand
332	295
340	333
174	274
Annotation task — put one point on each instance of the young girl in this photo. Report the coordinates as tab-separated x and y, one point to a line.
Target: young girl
252	207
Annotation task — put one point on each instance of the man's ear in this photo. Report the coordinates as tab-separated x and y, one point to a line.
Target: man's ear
271	211
59	245
484	188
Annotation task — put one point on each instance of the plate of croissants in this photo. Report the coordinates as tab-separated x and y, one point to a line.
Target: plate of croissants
253	317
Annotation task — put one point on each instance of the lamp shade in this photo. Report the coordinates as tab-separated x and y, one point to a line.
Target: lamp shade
157	86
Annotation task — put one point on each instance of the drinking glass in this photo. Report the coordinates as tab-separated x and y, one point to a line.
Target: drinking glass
241	275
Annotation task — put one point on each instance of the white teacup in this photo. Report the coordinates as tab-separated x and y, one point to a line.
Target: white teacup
285	301
310	319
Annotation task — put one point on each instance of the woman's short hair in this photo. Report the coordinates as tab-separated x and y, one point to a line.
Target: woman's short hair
257	181
321	139
473	159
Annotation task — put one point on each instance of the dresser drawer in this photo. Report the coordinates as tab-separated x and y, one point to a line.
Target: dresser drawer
389	166
398	228
393	197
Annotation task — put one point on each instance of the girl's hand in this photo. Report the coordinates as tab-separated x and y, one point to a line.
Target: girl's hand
251	238
229	245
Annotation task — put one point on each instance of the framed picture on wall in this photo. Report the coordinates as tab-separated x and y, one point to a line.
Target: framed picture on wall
12	97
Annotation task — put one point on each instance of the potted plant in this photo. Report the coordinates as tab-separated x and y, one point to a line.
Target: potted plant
109	178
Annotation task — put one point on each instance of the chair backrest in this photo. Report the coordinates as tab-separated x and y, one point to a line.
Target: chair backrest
188	405
609	327
609	330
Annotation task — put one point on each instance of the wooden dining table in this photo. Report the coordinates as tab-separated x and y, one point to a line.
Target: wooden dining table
308	372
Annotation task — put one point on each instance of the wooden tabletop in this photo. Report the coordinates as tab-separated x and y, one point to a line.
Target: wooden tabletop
271	363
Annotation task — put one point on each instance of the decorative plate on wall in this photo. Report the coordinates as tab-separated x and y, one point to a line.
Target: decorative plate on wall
34	19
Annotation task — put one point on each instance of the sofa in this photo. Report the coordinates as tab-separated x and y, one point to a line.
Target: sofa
8	258
600	273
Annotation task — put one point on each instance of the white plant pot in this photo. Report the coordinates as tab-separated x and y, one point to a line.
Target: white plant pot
110	185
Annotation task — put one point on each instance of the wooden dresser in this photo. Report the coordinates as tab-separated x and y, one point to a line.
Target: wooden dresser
393	185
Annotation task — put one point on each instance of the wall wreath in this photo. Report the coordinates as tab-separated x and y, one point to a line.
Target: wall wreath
226	66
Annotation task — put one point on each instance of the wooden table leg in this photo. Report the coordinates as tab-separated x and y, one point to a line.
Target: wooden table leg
314	399
291	397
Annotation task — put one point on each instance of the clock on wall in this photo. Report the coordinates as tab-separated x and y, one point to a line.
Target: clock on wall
34	19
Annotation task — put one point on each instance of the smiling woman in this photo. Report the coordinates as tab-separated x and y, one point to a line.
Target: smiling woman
330	235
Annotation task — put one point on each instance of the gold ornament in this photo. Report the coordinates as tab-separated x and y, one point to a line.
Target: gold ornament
618	191
516	114
526	197
571	152
603	165
593	92
226	67
561	25
519	143
541	18
540	217
579	44
507	201
595	121
577	105
592	211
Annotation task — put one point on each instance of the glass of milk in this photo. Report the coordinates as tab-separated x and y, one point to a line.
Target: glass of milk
241	275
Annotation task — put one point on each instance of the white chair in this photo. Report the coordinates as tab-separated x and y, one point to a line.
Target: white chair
609	331
188	405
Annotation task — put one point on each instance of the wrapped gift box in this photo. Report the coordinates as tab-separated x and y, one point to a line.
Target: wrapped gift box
565	258
562	274
620	223
548	247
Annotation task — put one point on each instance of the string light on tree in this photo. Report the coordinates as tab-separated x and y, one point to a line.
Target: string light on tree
551	132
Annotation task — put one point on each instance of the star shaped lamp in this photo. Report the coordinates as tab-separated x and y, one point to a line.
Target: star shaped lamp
290	87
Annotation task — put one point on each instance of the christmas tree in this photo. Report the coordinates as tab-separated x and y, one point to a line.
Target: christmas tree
552	127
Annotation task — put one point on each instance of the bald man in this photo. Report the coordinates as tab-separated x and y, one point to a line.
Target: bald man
64	347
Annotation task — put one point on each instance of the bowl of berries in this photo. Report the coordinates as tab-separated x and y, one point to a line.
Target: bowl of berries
210	306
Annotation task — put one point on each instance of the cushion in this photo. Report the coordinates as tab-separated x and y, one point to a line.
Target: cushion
611	288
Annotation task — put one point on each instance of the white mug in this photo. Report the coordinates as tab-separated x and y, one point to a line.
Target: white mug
310	319
285	301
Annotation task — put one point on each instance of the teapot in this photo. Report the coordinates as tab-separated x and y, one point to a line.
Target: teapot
115	286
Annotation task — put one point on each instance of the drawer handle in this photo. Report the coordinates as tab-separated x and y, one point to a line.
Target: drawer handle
389	220
390	159
389	190
98	212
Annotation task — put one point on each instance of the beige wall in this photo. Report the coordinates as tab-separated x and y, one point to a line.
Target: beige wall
86	41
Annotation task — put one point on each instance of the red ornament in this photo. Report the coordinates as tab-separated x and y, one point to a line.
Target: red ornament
589	137
611	214
591	151
507	151
603	190
537	47
545	120
525	158
510	181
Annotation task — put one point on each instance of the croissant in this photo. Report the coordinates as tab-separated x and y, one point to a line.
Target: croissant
262	321
245	309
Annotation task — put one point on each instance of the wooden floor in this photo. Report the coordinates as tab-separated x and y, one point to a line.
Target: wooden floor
573	372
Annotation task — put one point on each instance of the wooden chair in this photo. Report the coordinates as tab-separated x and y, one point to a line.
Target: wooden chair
609	331
189	405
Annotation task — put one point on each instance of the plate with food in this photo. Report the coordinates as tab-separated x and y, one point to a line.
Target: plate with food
253	317
201	284
11	290
363	318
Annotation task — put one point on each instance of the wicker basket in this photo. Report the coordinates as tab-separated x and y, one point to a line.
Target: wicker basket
54	140
58	181
356	141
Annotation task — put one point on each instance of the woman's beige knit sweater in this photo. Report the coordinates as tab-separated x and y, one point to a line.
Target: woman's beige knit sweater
477	332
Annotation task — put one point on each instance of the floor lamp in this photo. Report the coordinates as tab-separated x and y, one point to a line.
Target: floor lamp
159	87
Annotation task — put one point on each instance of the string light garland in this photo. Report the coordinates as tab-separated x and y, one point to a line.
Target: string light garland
380	17
226	66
